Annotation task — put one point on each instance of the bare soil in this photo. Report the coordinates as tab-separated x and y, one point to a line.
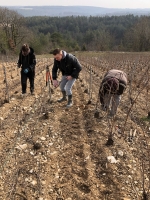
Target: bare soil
49	152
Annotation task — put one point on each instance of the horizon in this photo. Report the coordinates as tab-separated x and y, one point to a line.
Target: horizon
128	4
68	6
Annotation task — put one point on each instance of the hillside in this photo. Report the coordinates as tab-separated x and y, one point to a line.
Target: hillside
49	152
75	11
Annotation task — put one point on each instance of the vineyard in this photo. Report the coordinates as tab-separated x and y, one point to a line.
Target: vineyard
49	152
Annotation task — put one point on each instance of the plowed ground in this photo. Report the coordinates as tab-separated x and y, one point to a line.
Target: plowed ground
49	152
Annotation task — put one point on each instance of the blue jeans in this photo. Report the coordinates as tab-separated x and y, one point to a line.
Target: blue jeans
66	85
112	101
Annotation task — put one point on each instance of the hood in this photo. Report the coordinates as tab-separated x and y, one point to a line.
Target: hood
31	50
64	54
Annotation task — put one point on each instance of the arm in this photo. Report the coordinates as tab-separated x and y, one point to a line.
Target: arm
19	63
122	88
76	68
122	84
32	65
102	93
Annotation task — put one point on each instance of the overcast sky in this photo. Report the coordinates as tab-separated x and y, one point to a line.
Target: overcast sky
97	3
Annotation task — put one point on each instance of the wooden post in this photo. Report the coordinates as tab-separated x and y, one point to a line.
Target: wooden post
7	98
90	90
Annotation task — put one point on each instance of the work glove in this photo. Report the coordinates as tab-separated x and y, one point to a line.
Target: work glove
55	83
26	70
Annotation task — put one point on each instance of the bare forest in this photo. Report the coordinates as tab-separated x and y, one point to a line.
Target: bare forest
73	33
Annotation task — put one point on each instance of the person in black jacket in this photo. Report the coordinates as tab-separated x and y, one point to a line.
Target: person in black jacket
27	62
70	68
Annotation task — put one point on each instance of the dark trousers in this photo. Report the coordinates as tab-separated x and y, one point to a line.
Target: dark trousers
30	75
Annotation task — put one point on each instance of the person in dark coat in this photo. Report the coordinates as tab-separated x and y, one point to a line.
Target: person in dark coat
70	68
112	87
27	62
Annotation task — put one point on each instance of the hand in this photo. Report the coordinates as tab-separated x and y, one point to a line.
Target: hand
55	83
69	78
26	71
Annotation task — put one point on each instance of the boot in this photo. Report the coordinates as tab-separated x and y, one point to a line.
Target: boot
32	91
70	103
63	98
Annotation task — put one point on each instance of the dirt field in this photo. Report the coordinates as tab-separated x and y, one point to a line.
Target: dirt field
48	152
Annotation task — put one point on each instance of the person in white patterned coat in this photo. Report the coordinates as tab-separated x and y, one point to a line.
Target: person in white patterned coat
112	87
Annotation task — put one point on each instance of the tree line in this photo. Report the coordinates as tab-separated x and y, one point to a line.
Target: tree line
74	33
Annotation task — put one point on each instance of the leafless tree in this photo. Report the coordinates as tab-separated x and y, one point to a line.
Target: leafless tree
12	27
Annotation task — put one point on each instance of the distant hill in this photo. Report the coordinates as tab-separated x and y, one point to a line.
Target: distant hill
28	11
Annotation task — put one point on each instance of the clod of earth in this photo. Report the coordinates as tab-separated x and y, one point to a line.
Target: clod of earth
37	146
86	91
96	114
6	101
89	102
109	142
46	115
84	188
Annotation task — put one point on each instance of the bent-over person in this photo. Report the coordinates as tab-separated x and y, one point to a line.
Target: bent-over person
70	68
112	87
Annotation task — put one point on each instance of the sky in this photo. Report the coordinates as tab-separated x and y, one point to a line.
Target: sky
98	3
